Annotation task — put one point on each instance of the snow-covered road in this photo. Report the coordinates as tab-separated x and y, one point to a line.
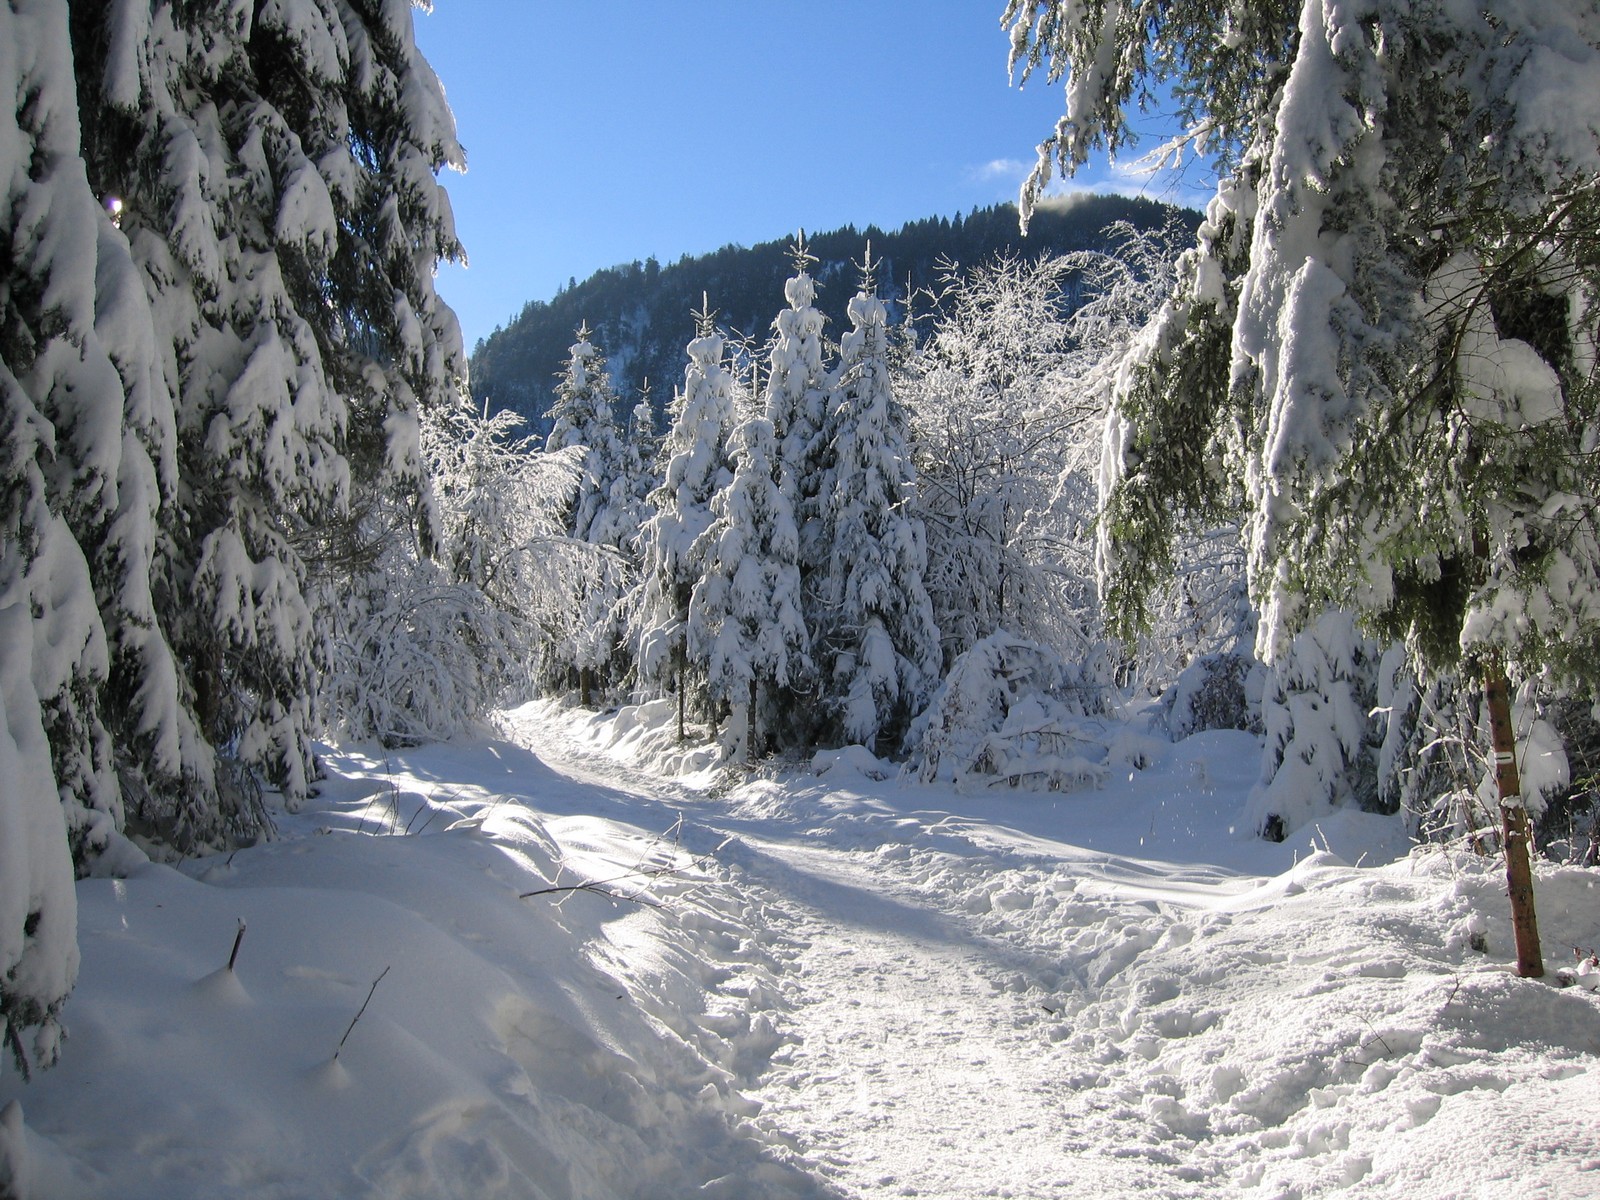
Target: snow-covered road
915	1071
918	1056
809	987
976	1006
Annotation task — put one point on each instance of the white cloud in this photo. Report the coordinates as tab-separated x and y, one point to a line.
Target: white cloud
1011	170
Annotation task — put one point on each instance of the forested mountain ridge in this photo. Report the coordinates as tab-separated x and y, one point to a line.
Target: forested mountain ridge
639	314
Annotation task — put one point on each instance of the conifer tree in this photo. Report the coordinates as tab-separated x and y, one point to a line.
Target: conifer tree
277	174
583	420
61	442
1386	330
696	454
797	383
876	643
583	415
745	620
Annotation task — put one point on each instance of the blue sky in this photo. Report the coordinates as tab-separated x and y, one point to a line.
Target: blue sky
599	134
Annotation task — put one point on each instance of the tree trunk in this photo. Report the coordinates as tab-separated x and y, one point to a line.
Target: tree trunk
750	726
680	673
1513	822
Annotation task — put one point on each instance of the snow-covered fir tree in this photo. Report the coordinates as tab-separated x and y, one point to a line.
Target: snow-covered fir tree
277	175
61	440
872	626
583	414
629	499
797	384
1386	330
584	420
745	619
1322	736
696	468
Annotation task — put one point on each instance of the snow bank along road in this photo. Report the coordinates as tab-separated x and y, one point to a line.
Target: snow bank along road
817	986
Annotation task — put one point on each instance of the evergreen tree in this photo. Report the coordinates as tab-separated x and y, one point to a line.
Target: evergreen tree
582	415
1386	329
876	643
696	453
797	383
584	421
277	174
61	441
745	618
630	491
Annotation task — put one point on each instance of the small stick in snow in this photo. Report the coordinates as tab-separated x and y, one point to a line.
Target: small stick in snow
599	886
237	938
359	1011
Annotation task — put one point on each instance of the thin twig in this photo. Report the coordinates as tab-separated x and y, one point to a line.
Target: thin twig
237	938
599	890
362	1009
596	885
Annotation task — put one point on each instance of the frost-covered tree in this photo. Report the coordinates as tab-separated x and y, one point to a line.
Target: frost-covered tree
584	421
276	169
994	425
873	632
583	415
797	383
422	647
61	442
697	467
745	620
1382	353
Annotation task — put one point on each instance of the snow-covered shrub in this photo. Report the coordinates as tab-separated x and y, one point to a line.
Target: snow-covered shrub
1321	739
1427	757
1542	766
1217	691
1432	767
1570	828
1012	711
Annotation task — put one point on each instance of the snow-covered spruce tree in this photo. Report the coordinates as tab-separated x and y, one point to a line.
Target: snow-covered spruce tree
277	169
1386	332
1322	739
629	502
697	468
61	451
583	419
583	415
745	620
797	385
873	633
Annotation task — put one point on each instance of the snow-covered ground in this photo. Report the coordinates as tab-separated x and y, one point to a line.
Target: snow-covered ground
811	986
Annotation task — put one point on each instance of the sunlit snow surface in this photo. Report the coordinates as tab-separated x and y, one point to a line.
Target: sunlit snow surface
842	986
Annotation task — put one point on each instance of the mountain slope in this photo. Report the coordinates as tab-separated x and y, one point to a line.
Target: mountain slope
640	312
